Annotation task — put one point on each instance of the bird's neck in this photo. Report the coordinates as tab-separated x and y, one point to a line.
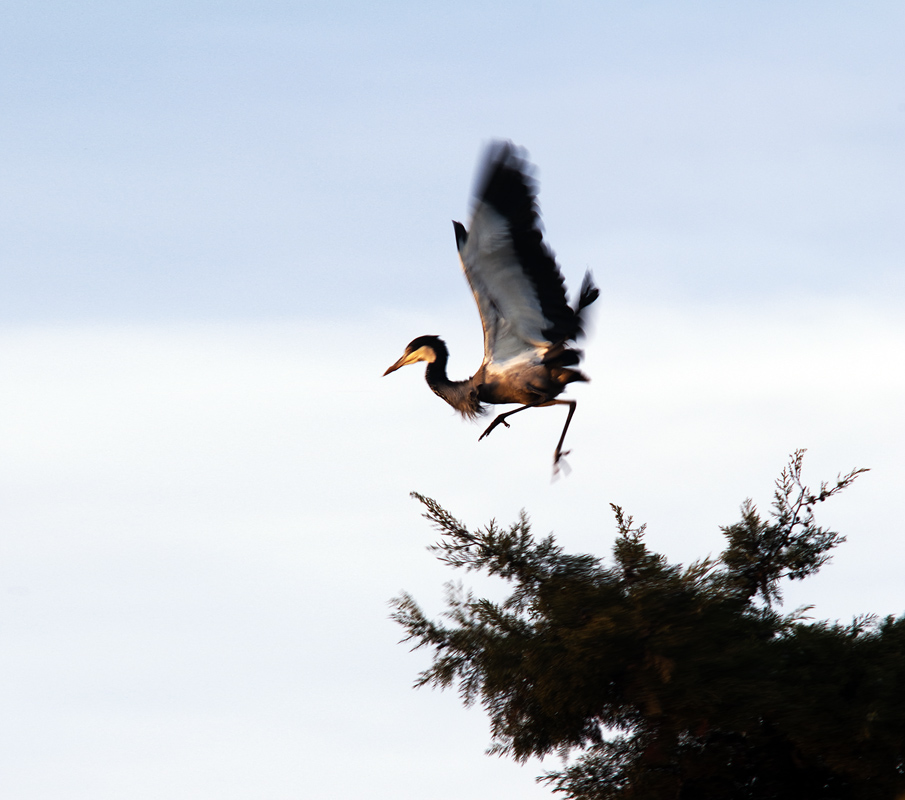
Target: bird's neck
437	379
461	395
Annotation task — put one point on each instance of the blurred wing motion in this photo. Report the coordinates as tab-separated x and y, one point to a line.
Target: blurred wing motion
521	296
516	282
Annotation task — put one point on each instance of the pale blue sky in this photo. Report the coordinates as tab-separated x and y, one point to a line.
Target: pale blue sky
237	160
219	224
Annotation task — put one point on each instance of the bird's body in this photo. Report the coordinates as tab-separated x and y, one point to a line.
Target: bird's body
528	324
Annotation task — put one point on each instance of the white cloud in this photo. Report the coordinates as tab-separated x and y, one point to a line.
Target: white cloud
203	525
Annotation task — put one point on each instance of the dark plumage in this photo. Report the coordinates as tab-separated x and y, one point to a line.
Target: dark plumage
528	324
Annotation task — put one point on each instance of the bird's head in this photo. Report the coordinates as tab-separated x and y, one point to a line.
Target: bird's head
424	348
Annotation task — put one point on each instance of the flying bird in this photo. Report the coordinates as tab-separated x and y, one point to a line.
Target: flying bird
528	324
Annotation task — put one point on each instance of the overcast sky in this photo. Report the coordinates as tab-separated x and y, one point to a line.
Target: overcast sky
220	223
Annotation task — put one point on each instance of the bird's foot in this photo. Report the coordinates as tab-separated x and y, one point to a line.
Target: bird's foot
492	425
560	464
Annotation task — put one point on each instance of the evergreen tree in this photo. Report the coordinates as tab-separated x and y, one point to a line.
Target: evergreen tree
671	681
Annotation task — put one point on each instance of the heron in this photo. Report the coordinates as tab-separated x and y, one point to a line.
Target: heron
529	326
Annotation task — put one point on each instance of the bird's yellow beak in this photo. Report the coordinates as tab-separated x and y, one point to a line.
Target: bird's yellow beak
406	359
412	357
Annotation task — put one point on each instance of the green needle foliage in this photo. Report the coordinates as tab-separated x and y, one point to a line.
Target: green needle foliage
670	681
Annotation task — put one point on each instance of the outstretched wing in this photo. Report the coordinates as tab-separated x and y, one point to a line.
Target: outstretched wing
514	277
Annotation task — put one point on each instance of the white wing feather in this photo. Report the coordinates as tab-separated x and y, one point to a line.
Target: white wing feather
507	299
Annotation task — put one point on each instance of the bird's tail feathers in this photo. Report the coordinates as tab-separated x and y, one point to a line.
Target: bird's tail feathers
561	355
564	375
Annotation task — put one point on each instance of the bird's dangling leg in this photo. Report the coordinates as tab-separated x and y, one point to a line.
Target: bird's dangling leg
558	454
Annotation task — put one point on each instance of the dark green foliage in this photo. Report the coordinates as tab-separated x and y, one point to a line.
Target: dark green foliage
669	681
760	553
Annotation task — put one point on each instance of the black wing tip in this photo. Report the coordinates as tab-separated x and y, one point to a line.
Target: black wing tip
505	178
499	151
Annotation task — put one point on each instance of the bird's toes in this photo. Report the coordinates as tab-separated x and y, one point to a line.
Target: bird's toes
559	455
491	426
560	465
